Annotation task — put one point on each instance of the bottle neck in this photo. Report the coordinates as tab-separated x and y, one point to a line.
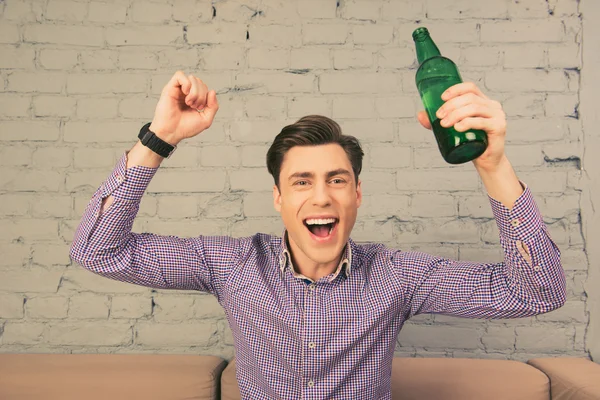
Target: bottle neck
426	49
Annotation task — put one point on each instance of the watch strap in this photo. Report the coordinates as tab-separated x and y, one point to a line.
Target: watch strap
154	143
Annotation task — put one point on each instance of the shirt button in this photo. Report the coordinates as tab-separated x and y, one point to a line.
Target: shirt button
312	345
537	268
311	287
515	222
120	178
311	384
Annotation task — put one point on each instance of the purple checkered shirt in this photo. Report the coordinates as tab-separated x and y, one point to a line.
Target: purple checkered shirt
333	338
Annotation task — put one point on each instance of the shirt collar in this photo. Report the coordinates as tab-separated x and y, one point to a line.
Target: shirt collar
285	259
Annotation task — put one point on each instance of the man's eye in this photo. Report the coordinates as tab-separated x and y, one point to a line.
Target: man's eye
338	181
301	183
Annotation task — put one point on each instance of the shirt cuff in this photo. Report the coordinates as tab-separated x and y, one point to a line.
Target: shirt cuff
127	184
522	221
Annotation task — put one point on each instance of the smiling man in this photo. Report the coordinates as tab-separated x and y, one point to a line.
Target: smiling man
315	315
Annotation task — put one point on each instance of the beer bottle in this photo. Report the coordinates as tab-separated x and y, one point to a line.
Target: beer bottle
434	76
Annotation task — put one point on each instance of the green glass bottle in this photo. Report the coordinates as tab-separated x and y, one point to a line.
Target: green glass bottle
434	76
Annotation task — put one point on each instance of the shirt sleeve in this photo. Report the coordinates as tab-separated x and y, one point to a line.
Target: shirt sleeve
105	245
529	281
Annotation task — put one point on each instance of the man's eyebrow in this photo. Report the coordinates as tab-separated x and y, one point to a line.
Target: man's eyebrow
339	171
329	174
300	175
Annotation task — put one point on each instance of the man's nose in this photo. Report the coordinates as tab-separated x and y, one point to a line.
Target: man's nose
321	195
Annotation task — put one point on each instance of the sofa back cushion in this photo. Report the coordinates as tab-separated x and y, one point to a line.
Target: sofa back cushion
109	376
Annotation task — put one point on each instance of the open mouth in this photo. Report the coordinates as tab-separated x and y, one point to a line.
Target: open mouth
321	227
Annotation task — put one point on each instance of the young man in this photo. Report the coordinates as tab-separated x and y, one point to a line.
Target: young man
313	314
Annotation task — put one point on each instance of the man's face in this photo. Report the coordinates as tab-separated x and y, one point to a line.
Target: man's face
318	201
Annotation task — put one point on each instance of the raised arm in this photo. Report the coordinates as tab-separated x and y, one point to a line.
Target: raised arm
103	241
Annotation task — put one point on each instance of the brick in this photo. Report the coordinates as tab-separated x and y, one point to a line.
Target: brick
30	180
559	206
23	11
50	254
566	8
159	13
207	307
87	333
53	106
256	131
381	182
361	10
17	58
34	280
463	9
69	11
219	156
172	308
183	334
189	229
372	34
11	306
177	59
216	33
481	255
23	333
439	230
275	11
525	56
146	35
480	56
433	205
64	35
186	157
310	58
395	10
222	58
9	33
275	35
526	81
529	9
223	207
187	182
352	107
15	156
138	60
543	339
369	131
265	106
99	60
93	158
138	107
317	9
384	205
11	204
101	132
528	155
192	10
14	105
254	156
324	34
396	57
88	305
475	207
259	204
439	336
564	56
571	312
47	307
386	156
277	82
365	231
350	82
499	338
430	157
441	32
97	107
574	260
355	58
562	151
250	226
250	180
561	105
301	106
81	280
15	255
536	129
79	181
524	105
107	12
268	58
523	31
545	181
91	83
396	107
130	307
177	206
433	180
38	82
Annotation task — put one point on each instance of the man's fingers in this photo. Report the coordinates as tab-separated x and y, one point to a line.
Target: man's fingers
460	89
424	119
473	123
211	108
179	80
467	111
458	102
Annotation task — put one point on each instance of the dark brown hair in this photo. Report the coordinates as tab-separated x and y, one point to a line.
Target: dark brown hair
312	130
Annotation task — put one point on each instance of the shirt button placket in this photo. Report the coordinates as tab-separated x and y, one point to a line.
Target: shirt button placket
310	315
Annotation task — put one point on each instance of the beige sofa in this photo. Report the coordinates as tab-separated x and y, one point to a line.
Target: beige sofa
179	377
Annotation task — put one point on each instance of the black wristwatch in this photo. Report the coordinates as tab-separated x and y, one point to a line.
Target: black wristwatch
154	143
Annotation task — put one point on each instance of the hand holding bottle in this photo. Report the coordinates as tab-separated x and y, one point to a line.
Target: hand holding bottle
466	107
186	107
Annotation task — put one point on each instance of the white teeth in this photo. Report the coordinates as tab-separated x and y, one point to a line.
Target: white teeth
319	221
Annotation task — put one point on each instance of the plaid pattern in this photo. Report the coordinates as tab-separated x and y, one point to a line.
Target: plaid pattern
333	338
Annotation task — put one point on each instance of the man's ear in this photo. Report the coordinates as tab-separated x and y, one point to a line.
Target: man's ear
358	194
276	198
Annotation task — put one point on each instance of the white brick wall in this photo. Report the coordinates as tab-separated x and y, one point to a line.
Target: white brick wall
79	78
